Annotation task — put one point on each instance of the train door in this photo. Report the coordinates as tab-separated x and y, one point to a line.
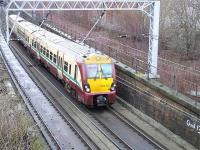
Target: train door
60	65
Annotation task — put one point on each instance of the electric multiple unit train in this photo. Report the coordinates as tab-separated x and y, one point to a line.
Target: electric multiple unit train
87	74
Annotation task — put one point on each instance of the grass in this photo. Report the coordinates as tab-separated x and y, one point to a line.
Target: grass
17	129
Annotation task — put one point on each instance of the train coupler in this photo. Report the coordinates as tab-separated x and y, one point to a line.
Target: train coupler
101	100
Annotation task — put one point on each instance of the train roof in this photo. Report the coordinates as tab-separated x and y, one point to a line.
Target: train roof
66	46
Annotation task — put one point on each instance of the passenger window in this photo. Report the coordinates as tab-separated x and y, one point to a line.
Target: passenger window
27	38
61	62
41	49
70	69
54	58
51	56
44	49
47	54
35	43
66	66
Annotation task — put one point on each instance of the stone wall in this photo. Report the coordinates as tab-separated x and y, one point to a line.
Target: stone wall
159	107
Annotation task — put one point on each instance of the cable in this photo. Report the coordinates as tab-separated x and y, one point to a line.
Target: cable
98	20
43	20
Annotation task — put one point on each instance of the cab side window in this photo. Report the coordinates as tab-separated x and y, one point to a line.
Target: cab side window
76	72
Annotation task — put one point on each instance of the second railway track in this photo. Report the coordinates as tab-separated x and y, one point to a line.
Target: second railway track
116	129
86	144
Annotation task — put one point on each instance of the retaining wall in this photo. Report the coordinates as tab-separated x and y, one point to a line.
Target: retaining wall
168	107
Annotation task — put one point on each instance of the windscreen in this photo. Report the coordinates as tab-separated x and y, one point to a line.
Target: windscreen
106	70
99	70
92	71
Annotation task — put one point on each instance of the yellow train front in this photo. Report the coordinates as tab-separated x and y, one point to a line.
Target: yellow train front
98	78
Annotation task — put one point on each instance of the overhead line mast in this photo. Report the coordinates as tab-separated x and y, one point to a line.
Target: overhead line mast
150	7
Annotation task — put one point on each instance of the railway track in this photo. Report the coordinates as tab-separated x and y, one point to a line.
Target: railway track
120	117
116	138
133	127
122	130
119	139
86	144
68	109
42	122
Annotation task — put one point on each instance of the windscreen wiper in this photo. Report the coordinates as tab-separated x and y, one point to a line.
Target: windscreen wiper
95	77
103	73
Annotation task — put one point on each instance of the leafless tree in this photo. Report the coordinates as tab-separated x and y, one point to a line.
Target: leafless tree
180	23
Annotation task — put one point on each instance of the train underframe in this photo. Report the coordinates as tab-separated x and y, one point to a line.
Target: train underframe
98	100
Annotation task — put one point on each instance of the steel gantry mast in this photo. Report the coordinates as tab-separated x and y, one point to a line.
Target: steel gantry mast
150	7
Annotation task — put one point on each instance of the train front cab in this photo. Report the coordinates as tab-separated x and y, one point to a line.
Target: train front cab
100	86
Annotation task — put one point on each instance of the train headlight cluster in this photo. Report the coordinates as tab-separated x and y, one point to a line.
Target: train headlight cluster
87	88
113	87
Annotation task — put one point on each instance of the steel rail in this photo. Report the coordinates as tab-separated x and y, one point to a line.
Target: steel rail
131	125
43	128
99	122
39	72
115	136
49	99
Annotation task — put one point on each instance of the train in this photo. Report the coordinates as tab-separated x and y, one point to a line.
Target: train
87	74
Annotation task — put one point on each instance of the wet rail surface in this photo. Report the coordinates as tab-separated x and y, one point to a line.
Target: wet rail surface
76	139
118	130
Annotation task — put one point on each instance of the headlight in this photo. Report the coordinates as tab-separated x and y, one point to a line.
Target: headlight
87	88
113	87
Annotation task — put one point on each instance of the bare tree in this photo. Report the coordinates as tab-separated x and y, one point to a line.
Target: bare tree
180	23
